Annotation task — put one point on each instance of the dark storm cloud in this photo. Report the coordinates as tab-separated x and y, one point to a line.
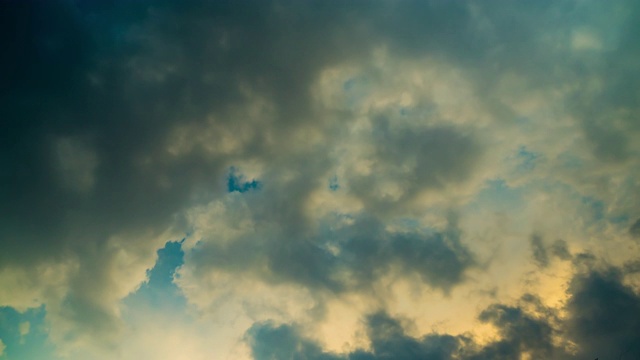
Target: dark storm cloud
53	98
604	315
113	80
358	255
91	94
118	77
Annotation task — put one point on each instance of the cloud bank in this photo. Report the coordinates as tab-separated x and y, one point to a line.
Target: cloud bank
319	180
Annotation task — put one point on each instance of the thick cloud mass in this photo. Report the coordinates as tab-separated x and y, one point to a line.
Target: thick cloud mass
604	315
348	180
607	330
351	258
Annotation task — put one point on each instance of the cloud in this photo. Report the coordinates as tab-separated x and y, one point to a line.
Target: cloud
270	341
603	314
283	342
386	158
351	256
407	161
589	329
542	253
388	340
522	333
539	252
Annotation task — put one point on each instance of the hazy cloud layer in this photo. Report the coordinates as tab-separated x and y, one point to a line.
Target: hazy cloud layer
311	179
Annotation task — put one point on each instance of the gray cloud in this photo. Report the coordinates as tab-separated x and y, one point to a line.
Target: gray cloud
540	255
358	255
414	160
603	315
388	341
121	78
560	250
634	229
95	93
543	253
521	333
269	341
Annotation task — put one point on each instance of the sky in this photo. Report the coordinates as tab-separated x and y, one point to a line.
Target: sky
319	180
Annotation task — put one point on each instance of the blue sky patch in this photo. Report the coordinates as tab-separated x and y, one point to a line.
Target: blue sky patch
596	207
527	159
237	182
160	291
498	196
25	334
333	183
356	90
